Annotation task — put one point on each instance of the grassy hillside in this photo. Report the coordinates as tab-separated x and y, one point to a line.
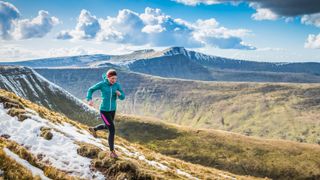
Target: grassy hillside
135	162
277	159
288	111
234	75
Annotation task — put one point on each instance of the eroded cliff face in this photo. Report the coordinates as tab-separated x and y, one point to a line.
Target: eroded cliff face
28	84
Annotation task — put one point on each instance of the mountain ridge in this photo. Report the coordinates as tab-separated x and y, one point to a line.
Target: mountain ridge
212	68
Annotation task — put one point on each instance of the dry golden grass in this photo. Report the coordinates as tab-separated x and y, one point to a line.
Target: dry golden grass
12	169
273	110
124	167
236	153
45	133
23	153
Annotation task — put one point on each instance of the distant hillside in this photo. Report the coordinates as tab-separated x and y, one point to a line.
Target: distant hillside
28	84
178	66
178	62
36	143
276	159
273	110
244	65
69	61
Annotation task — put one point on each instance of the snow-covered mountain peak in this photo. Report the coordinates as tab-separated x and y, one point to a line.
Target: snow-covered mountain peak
175	50
143	51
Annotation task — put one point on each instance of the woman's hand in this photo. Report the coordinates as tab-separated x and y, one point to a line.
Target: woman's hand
90	103
118	92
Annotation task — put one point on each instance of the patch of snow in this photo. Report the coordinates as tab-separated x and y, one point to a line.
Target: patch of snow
227	177
14	87
25	78
158	165
36	84
34	170
60	151
8	84
141	157
178	171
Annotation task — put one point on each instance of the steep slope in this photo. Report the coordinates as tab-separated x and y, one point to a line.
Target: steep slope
276	159
178	66
273	110
28	84
36	143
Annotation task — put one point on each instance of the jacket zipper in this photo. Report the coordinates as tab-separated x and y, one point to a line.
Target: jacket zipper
110	96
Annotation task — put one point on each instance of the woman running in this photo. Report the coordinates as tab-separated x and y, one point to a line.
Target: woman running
110	91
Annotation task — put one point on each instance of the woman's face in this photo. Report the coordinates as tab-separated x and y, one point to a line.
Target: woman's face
112	79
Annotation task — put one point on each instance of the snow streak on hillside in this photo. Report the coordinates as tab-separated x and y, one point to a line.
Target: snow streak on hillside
61	151
21	80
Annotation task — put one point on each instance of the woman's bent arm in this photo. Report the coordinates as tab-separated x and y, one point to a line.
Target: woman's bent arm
92	89
122	95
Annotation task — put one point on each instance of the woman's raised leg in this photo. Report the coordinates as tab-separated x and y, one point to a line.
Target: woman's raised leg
107	117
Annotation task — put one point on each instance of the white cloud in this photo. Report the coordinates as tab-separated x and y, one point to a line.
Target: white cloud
64	35
126	28
271	49
36	27
313	41
313	19
11	27
8	13
67	51
289	19
264	14
197	2
86	28
210	33
10	52
16	52
154	28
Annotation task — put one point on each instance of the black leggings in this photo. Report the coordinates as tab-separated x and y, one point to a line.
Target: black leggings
108	118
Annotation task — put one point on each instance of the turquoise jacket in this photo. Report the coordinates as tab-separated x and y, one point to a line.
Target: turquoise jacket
108	94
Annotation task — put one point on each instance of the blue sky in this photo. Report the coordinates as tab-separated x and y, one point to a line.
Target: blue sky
259	30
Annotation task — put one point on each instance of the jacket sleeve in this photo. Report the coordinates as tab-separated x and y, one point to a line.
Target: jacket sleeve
122	95
92	89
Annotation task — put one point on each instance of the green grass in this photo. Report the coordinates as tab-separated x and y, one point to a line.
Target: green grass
278	159
278	111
